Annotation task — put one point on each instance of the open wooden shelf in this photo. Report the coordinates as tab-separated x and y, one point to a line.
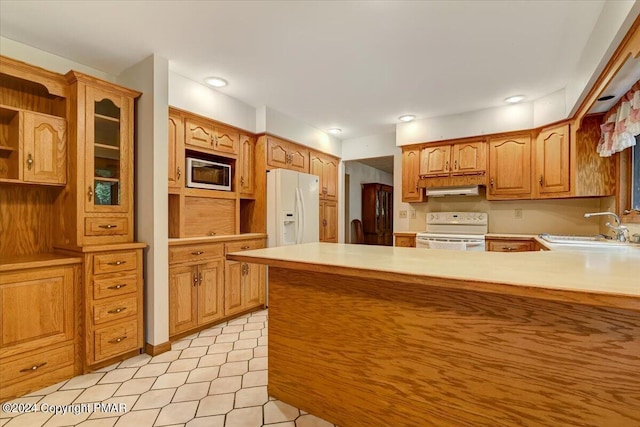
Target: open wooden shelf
108	118
106	179
107	146
18	181
7	148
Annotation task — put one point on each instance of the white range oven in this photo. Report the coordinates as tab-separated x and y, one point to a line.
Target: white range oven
463	231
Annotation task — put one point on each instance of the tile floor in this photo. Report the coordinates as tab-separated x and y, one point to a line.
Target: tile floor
215	378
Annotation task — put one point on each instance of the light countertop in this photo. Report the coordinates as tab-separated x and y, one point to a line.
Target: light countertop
597	278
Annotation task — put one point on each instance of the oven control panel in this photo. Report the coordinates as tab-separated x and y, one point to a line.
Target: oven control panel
462	218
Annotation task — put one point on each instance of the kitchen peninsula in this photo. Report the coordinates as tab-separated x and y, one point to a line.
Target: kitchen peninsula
364	335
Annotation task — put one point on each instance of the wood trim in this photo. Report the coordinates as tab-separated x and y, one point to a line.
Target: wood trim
55	83
155	350
76	76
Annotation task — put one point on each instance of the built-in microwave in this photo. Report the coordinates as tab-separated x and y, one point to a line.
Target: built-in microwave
207	174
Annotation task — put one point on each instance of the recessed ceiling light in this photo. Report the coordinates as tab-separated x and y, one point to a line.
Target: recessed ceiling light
406	118
514	99
606	97
216	81
334	131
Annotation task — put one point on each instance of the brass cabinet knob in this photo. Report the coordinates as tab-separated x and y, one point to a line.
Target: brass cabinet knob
29	161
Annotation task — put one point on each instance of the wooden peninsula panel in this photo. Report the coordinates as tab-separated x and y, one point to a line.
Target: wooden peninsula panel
361	351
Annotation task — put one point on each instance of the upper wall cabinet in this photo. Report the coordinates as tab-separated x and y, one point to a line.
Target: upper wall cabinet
411	175
200	134
461	158
283	154
509	168
552	161
245	165
45	149
434	161
176	170
326	168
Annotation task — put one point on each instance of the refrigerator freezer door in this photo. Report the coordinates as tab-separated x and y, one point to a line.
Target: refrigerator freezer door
310	202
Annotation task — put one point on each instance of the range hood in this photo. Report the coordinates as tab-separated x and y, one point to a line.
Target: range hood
470	190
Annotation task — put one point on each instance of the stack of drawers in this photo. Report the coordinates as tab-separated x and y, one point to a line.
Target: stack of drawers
114	312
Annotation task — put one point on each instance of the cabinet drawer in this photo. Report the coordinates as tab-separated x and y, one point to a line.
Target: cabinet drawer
118	284
106	226
245	245
113	340
178	254
509	246
35	364
114	261
114	310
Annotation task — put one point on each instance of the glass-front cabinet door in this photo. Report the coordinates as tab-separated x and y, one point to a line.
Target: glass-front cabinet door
107	152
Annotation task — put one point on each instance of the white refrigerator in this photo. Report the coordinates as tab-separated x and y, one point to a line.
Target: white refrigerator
292	208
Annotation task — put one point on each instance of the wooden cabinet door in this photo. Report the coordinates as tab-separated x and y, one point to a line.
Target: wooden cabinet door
434	161
198	134
469	158
36	309
330	173
277	154
183	298
226	140
510	168
298	159
233	298
410	176
552	160
406	241
329	221
210	291
316	167
254	285
176	152
245	169
45	149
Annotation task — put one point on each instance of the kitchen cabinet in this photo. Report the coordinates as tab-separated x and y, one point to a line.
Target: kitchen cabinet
461	158
510	167
176	170
328	221
405	240
245	283
552	161
377	214
215	137
326	168
411	175
502	245
283	154
245	166
434	161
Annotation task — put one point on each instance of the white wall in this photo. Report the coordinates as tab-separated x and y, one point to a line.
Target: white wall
200	99
150	76
370	146
549	109
359	173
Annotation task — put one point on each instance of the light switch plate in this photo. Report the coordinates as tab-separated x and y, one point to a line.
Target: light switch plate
517	214
413	214
403	214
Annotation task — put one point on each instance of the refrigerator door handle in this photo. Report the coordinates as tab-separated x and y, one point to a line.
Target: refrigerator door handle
299	218
303	226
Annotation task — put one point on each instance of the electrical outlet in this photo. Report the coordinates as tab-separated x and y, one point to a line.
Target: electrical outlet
517	214
403	214
413	214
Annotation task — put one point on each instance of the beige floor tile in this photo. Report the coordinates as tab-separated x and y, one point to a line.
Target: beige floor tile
192	336
68	419
227	338
254	378
124	404
203	374
231	329
26	400
102	422
244	335
154	399
215	405
193	352
253	326
260	351
202	342
108	368
211	332
234	368
97	393
265	332
83	381
253	396
168	356
48	390
256	319
180	345
276	411
152	370
195	391
285	424
225	385
238	321
212	360
258	363
312	421
118	375
29	420
213	421
248	343
174	379
135	386
61	397
135	361
263	340
182	365
240	355
245	417
220	348
176	413
138	418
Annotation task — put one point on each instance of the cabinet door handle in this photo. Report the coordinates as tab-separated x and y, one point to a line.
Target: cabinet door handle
116	287
90	193
245	247
324	222
29	161
200	278
455	165
33	368
197	253
117	263
242	181
508	248
179	172
117	310
446	166
213	233
118	340
540	180
195	279
491	182
108	226
215	138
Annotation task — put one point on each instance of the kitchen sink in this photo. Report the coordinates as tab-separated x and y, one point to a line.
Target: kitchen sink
598	242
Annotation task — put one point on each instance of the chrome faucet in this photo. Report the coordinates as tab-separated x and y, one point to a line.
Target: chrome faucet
620	230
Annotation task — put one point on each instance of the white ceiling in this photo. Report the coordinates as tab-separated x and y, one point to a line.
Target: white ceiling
356	65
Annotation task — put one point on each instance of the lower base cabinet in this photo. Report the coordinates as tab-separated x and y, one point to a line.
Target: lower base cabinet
243	287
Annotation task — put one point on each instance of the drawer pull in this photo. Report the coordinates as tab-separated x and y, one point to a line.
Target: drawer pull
108	226
117	263
117	310
508	248
197	253
245	247
213	233
118	340
33	368
116	287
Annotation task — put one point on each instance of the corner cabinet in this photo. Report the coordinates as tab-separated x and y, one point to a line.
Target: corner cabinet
411	175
